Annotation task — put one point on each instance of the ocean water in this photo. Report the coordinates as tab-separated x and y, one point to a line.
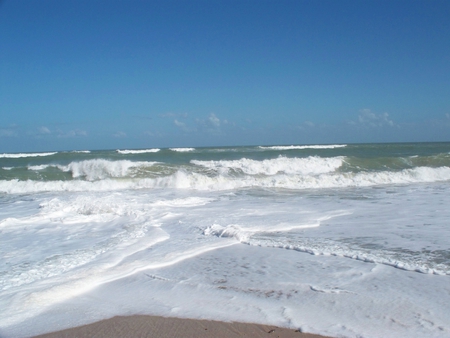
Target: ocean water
346	240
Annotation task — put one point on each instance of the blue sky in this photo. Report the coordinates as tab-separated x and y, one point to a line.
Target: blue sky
138	74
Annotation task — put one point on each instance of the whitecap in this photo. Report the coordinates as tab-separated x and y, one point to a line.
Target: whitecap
182	150
20	155
292	147
310	165
141	151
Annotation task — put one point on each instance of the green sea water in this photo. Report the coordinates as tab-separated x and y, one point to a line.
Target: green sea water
154	162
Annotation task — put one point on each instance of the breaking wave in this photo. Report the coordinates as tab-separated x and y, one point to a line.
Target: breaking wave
26	155
182	150
304	166
331	146
95	171
141	151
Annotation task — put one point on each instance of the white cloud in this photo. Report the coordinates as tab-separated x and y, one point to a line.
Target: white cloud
73	133
7	133
44	130
307	125
179	124
212	124
213	120
153	134
170	114
368	118
120	134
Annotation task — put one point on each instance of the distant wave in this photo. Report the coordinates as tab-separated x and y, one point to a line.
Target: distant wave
81	151
331	146
182	150
26	155
141	151
222	150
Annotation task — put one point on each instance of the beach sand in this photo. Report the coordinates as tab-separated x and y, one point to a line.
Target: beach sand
154	326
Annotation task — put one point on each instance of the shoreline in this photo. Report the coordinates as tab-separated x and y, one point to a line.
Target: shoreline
157	326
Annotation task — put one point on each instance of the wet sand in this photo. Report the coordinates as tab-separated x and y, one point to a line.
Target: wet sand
154	326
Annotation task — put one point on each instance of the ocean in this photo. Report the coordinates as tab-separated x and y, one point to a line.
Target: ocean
345	240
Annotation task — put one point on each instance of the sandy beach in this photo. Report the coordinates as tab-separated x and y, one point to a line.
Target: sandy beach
155	326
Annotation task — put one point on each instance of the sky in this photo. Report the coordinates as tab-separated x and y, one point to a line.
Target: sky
97	74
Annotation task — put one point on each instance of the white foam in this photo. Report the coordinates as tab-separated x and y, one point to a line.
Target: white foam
81	151
38	167
91	240
304	166
141	151
231	230
244	234
403	262
83	240
20	155
182	150
65	256
188	202
331	146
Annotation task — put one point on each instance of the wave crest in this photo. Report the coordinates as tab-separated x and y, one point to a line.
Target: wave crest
330	146
98	169
182	150
141	151
196	181
305	166
26	155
